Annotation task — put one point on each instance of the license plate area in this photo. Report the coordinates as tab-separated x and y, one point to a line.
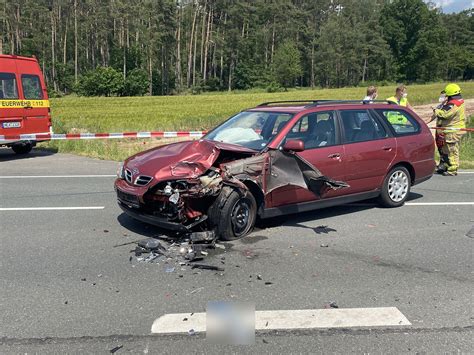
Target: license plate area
11	124
128	199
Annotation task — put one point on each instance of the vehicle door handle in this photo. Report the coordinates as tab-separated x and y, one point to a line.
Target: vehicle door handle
334	156
387	148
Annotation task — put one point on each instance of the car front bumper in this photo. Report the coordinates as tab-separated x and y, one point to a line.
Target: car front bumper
150	219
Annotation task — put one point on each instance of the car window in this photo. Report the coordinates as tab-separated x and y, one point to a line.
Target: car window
31	87
250	129
8	87
315	130
401	122
360	126
280	123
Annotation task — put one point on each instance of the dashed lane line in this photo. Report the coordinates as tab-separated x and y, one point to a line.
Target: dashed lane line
291	319
52	208
52	176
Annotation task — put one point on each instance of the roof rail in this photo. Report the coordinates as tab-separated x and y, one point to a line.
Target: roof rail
333	102
312	103
287	102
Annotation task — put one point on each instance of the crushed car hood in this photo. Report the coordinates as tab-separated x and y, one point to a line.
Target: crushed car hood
188	159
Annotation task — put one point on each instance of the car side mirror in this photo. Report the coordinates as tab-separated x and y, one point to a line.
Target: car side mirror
295	145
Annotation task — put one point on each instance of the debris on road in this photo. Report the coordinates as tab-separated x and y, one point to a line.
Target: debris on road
324	245
179	252
324	230
117	348
470	234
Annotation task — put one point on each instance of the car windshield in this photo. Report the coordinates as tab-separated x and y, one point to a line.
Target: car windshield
250	129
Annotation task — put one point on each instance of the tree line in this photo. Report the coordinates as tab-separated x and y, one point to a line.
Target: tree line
161	47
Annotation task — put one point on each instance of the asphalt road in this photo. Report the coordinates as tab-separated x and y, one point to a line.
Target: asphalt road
65	285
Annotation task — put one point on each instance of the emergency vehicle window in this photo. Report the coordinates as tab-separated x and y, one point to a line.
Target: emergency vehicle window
401	122
8	88
360	126
31	87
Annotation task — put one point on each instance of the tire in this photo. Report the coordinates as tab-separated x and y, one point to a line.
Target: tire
396	187
22	148
233	214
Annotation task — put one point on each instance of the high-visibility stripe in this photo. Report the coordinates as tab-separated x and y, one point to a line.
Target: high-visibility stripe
76	136
24	103
453	129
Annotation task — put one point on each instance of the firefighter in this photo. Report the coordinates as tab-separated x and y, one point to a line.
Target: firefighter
439	136
450	115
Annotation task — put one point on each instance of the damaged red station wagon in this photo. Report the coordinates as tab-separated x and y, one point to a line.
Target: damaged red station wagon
278	158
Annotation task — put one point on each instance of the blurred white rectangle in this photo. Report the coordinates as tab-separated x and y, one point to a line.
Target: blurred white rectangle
230	323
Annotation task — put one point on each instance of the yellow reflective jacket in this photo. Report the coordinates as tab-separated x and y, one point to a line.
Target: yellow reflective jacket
451	115
396	118
403	101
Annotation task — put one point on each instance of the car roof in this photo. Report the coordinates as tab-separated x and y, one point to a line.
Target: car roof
323	105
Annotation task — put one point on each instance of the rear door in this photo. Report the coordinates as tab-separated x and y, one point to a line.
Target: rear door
11	111
320	133
369	150
36	104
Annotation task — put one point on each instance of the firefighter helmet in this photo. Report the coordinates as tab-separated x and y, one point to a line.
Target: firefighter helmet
452	89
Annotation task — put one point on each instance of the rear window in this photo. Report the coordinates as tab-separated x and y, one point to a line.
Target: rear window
31	87
8	87
401	122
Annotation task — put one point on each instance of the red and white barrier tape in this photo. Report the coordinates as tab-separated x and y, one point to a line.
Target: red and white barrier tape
71	136
453	129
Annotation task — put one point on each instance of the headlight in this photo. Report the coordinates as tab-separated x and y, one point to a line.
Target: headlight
120	171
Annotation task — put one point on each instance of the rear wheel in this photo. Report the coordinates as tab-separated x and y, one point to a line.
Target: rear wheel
396	187
233	214
22	148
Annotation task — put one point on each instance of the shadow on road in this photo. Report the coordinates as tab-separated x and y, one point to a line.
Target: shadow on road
294	220
6	154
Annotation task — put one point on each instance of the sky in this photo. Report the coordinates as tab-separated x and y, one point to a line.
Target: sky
450	6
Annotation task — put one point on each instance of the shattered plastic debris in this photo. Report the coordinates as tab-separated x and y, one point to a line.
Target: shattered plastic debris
183	250
470	234
207	236
169	268
117	348
333	304
207	267
150	243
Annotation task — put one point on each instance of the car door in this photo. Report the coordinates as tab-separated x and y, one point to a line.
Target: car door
36	108
320	133
369	150
11	111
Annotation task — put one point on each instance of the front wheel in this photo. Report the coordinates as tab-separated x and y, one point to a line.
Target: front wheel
233	214
22	148
396	187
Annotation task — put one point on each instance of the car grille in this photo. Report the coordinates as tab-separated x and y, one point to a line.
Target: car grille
128	198
143	180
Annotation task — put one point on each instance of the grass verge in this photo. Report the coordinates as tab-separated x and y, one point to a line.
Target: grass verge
200	112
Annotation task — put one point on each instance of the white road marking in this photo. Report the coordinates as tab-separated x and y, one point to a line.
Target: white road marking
439	203
416	204
53	176
465	172
52	208
291	319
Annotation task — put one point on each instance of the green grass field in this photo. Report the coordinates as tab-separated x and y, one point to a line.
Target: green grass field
193	112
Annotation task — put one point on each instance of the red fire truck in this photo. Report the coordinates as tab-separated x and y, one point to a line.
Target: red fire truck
24	104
